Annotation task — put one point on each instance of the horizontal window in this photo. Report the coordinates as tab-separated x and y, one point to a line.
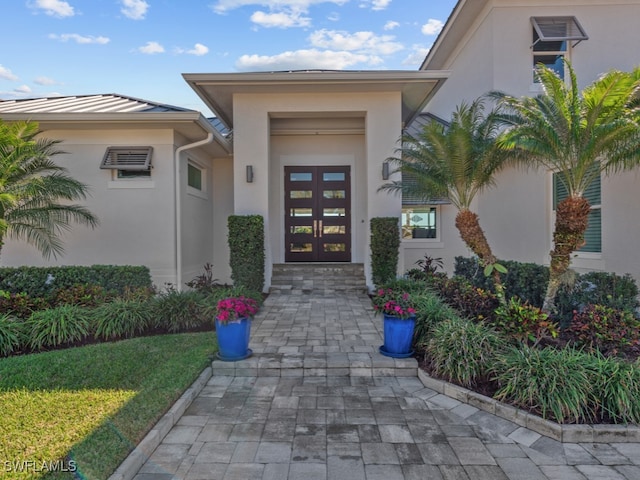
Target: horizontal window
419	222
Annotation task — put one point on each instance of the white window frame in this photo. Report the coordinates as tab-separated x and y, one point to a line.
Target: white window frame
202	192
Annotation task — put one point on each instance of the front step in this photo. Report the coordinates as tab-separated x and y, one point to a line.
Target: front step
321	278
337	364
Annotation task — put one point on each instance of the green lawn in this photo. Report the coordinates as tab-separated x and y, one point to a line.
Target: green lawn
92	404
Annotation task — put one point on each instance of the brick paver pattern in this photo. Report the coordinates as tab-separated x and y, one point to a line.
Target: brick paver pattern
317	401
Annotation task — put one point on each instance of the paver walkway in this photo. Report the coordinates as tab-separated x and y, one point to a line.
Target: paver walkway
317	401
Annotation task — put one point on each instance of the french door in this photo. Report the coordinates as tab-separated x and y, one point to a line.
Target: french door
317	214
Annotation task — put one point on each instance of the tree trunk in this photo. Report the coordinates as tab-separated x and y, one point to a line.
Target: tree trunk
572	219
472	234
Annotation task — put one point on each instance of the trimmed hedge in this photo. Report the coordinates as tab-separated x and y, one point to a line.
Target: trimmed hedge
42	281
385	244
246	249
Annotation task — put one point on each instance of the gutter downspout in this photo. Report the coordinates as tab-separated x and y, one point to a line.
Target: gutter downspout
178	204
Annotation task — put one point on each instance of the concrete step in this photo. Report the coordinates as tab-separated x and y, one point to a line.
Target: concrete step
317	365
324	278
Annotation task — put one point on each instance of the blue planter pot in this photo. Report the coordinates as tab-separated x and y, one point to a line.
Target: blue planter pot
233	339
398	336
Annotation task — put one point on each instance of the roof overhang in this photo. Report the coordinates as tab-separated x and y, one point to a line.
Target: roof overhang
464	14
190	124
217	89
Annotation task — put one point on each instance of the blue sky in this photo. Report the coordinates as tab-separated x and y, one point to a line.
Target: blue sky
140	48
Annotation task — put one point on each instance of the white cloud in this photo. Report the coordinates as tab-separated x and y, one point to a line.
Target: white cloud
390	25
280	19
134	9
198	50
81	39
363	42
432	27
45	81
54	8
151	48
7	74
304	59
333	17
417	56
375	4
22	89
223	6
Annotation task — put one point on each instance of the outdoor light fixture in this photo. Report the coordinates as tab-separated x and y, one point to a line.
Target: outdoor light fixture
249	173
385	170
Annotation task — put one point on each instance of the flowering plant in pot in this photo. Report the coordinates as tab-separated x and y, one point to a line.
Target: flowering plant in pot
394	303
233	327
399	320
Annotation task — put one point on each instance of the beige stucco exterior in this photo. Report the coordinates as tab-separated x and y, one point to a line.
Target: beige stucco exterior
329	118
486	46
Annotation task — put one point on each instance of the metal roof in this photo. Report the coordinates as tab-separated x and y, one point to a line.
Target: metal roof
105	103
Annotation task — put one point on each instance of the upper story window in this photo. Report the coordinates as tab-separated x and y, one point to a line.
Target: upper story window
552	38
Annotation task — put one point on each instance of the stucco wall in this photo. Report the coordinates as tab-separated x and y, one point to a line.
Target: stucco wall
253	146
495	54
137	221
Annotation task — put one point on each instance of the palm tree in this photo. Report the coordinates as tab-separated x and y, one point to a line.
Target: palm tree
578	136
457	161
34	190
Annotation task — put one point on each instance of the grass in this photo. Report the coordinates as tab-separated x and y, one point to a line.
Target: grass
93	404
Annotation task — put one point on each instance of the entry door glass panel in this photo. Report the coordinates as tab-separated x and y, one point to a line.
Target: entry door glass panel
317	214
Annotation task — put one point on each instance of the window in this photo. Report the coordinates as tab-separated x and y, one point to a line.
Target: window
551	41
419	221
194	177
593	234
127	158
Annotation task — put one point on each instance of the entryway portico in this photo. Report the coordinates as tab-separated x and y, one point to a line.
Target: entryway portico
340	123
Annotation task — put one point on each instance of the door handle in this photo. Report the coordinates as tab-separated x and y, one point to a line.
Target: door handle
315	228
320	229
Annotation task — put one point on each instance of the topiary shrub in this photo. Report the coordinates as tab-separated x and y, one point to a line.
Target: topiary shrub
246	251
385	244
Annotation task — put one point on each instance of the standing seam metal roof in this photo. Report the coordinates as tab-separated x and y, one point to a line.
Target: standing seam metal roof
104	103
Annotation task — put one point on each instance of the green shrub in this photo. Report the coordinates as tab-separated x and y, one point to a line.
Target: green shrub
430	311
472	302
246	251
21	305
553	383
122	319
42	281
462	351
177	311
616	388
524	322
83	295
527	281
385	244
601	288
606	329
57	326
10	334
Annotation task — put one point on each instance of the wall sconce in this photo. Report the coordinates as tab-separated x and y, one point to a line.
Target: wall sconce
249	173
385	170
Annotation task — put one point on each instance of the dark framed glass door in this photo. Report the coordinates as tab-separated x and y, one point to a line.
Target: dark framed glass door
317	214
